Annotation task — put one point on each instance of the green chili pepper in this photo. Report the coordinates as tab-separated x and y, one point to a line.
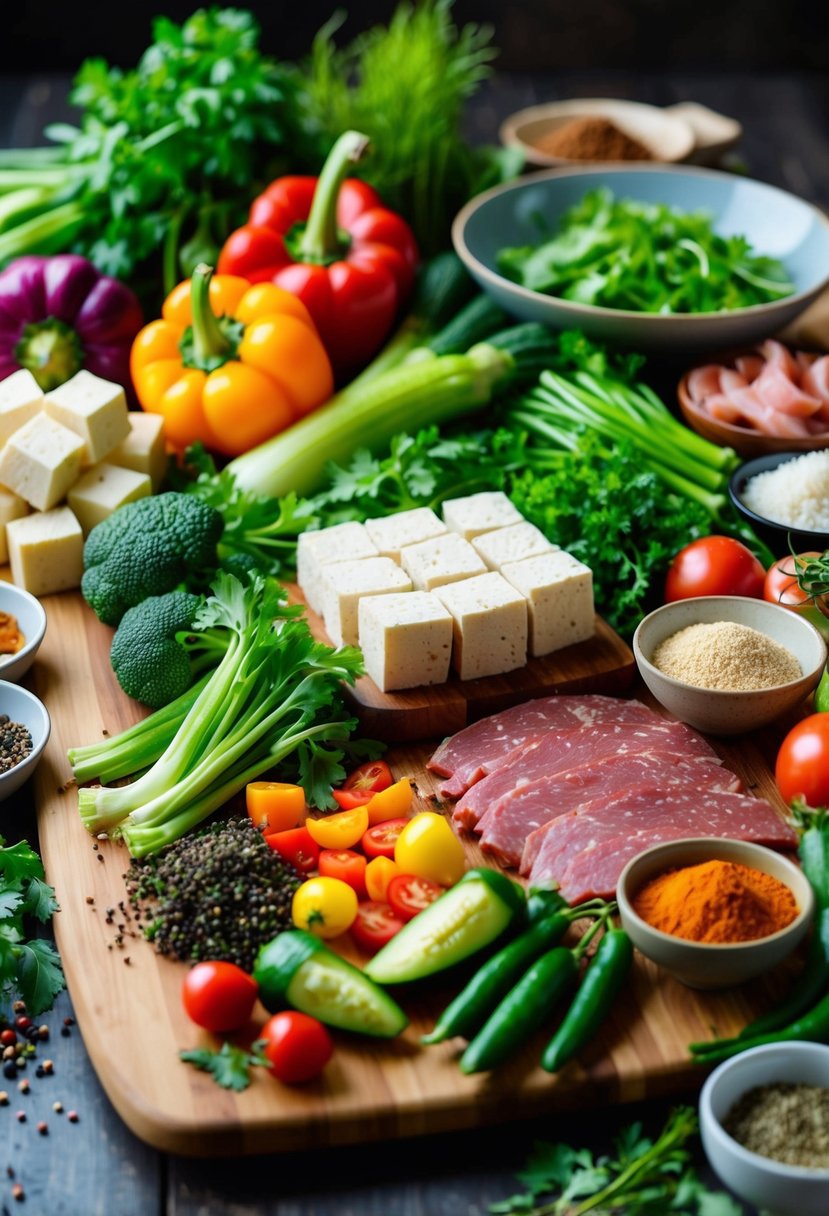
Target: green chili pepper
814	854
811	984
604	977
543	902
813	1026
523	1010
472	1006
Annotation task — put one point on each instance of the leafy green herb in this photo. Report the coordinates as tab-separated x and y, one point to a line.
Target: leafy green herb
645	257
642	1177
229	1066
29	969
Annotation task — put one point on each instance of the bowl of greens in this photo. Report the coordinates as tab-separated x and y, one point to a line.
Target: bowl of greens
654	257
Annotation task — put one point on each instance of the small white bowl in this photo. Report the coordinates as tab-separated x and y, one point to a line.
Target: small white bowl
24	707
32	621
712	964
726	712
776	1188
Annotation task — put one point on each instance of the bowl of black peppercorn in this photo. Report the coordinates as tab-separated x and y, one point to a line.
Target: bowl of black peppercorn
24	732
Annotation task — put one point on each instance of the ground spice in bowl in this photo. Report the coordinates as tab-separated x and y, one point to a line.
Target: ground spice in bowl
591	138
788	1123
716	902
727	656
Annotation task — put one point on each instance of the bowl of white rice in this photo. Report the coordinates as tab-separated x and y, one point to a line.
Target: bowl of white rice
785	498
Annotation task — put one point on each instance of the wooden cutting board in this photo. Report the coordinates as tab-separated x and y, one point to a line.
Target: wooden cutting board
126	997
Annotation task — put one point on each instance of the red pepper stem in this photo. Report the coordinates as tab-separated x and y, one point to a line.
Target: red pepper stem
321	242
209	343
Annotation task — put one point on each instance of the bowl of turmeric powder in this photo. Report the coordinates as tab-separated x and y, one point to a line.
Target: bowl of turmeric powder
22	628
712	911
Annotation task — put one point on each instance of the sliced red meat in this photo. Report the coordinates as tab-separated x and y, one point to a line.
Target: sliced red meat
467	756
704	382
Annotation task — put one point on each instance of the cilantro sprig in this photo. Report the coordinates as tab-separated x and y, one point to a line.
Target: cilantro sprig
29	968
228	1065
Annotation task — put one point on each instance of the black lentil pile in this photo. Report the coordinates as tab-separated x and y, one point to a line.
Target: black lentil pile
15	743
220	893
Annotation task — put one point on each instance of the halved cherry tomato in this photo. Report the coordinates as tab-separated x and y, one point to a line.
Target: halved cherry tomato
277	804
429	848
297	1046
298	847
714	565
391	803
219	996
376	923
379	873
407	894
339	831
380	839
325	907
362	784
346	865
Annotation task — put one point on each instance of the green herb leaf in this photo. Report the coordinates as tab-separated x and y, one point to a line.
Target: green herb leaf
39	975
40	900
229	1066
20	861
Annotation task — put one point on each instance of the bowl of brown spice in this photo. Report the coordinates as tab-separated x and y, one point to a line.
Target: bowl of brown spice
726	664
764	1121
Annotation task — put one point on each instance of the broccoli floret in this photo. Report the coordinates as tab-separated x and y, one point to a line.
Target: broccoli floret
145	548
155	653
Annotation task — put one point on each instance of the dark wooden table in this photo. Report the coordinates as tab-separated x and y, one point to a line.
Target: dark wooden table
95	1166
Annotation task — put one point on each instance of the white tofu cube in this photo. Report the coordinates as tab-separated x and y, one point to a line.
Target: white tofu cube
443	559
21	397
339	543
489	625
102	489
391	533
143	449
41	461
46	551
406	639
559	591
345	583
477	513
511	544
93	408
12	506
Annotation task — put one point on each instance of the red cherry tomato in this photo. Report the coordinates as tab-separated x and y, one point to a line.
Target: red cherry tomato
409	894
376	924
345	864
714	565
780	586
298	1046
359	787
379	840
219	996
296	846
802	768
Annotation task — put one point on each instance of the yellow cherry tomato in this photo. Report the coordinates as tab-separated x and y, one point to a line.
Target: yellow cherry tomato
325	907
379	873
428	848
275	803
339	831
392	803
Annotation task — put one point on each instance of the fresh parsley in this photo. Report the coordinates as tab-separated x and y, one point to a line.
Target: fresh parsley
229	1066
29	968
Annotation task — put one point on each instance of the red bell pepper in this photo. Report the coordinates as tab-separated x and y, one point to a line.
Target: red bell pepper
330	241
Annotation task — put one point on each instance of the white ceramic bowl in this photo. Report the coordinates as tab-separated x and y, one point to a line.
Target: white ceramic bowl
778	1189
666	136
24	707
706	964
32	621
719	712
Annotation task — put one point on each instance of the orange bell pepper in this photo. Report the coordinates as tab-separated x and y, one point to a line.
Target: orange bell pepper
230	364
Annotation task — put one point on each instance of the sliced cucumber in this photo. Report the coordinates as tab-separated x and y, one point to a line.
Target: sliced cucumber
464	920
296	969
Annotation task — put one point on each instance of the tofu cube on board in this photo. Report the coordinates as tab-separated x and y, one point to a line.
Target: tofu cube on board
46	551
477	513
93	408
143	449
345	583
559	593
443	559
41	461
102	489
489	625
315	550
12	506
511	544
392	533
406	639
21	397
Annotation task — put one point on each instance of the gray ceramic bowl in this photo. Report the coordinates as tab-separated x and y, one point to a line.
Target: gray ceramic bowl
781	1190
776	223
776	535
702	964
32	621
24	707
718	712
